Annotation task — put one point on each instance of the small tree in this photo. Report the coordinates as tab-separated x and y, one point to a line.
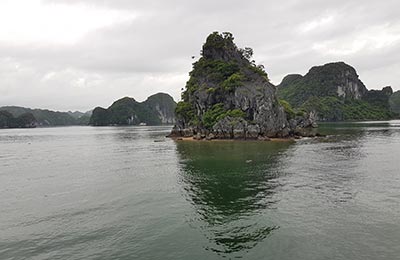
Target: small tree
248	53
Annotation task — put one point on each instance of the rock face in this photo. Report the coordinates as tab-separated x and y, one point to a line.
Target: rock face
158	109
394	102
228	96
163	105
335	93
333	79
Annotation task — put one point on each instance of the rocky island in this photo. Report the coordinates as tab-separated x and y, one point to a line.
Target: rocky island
228	96
157	109
334	92
40	117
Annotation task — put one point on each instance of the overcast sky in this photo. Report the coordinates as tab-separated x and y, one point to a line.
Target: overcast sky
78	54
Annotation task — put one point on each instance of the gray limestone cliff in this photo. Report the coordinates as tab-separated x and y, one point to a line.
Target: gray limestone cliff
163	105
336	79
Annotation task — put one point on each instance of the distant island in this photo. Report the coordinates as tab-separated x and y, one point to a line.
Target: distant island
22	117
8	120
335	93
158	109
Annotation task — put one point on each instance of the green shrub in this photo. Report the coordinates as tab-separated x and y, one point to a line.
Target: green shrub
185	111
259	70
218	112
210	90
212	115
290	113
233	81
236	113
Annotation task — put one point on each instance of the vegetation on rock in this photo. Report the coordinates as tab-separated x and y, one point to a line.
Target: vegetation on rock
290	113
336	109
7	120
217	113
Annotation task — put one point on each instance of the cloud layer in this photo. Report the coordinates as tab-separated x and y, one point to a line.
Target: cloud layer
78	54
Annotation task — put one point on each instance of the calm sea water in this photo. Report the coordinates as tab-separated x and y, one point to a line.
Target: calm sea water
129	193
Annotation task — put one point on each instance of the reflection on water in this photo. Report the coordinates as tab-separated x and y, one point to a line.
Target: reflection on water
231	185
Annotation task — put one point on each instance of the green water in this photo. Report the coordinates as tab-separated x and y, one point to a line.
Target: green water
130	193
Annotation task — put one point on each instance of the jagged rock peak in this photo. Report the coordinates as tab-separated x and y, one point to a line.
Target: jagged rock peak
221	47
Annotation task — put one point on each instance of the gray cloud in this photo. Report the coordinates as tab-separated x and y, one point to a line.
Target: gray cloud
152	51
